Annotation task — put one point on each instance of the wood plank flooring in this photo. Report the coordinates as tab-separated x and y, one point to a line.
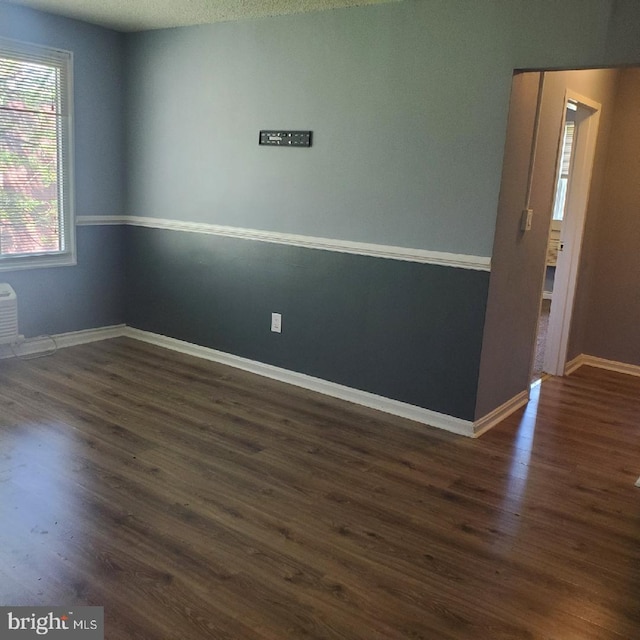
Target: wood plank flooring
193	501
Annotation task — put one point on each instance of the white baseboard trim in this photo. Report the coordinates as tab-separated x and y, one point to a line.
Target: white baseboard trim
44	344
364	398
573	365
500	413
601	363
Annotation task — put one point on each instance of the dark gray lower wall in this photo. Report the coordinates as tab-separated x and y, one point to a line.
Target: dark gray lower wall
85	296
406	331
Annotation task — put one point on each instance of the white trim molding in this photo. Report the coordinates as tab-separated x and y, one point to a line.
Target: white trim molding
364	398
49	344
573	365
601	363
92	221
500	413
424	256
44	344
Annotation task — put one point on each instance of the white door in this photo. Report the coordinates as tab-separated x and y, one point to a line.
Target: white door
587	116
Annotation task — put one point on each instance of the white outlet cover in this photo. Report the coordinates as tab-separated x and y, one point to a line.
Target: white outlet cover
276	322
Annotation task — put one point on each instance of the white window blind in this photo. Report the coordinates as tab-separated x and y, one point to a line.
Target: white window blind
36	217
563	171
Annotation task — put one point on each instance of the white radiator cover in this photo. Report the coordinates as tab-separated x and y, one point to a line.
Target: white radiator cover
8	315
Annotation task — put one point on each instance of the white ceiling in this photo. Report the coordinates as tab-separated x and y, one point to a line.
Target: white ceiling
140	15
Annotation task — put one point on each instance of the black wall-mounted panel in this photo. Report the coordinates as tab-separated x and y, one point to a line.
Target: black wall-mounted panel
286	138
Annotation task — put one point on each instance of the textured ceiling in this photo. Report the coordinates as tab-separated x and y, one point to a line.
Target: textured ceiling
140	15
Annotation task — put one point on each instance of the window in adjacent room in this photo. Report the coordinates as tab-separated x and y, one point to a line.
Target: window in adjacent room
36	199
565	163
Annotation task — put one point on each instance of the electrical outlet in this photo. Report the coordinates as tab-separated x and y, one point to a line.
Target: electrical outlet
276	322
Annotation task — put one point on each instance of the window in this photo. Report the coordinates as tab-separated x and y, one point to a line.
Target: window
36	212
565	163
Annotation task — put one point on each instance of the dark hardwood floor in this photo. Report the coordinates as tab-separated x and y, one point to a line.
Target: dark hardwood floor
193	501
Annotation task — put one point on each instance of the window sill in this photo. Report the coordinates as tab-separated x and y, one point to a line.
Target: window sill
37	262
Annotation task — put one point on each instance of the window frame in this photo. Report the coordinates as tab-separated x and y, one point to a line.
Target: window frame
62	59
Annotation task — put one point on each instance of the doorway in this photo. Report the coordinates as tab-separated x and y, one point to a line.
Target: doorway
575	159
530	168
553	243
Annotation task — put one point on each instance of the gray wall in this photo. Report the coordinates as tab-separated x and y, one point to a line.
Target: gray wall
607	323
406	331
623	42
408	103
90	294
518	271
513	300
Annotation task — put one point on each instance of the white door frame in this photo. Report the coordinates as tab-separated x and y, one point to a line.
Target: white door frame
564	288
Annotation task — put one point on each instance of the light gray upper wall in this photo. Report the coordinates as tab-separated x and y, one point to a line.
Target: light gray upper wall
98	101
407	102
